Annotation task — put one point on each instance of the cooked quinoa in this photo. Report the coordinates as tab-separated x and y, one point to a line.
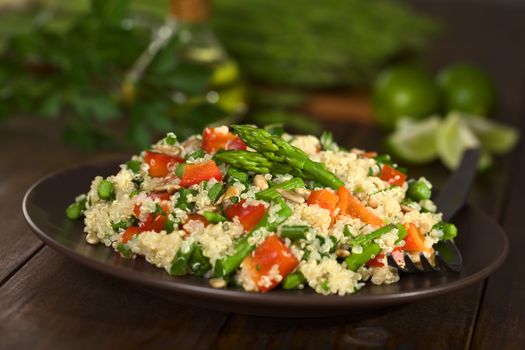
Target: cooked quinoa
203	207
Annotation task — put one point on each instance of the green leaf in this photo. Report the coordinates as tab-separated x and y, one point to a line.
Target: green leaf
52	106
99	107
110	10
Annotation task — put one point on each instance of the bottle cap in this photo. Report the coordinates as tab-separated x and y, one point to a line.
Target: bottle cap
190	10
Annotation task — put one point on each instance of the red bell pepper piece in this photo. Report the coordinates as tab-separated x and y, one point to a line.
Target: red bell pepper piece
397	254
269	263
248	215
159	163
235	144
197	217
351	206
130	232
196	173
392	176
325	199
214	139
414	241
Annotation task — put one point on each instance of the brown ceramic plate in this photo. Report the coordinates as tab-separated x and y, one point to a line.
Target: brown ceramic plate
482	242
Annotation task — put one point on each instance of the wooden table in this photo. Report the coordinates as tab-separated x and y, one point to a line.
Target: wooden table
46	301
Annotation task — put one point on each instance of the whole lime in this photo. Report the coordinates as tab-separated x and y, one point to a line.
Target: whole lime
404	91
467	89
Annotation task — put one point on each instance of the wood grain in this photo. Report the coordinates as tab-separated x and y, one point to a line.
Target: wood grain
31	148
53	303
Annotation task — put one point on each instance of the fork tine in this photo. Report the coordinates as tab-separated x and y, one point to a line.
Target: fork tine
409	264
442	263
427	266
446	266
393	263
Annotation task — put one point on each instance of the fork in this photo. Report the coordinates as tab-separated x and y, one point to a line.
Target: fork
452	198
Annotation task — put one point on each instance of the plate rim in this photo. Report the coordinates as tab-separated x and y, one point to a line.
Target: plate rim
235	295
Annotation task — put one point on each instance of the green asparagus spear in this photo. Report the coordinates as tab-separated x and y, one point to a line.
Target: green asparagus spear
227	265
215	192
271	193
370	250
361	240
237	175
179	266
198	263
278	150
294	232
293	280
355	261
213	217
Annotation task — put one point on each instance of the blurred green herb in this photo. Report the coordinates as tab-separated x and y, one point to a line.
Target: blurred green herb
307	43
70	59
76	71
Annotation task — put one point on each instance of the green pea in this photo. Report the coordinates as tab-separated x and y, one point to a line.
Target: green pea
134	165
171	138
449	231
106	190
74	212
419	190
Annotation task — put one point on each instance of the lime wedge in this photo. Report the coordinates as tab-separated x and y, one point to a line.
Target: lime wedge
495	137
415	141
453	137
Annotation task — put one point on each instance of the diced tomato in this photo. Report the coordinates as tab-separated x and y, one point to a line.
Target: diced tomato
351	206
130	232
214	139
414	241
136	210
196	173
392	176
155	223
397	254
197	217
272	252
163	196
325	199
159	163
248	215
235	144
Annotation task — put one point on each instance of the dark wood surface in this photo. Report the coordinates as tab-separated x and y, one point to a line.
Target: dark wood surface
46	301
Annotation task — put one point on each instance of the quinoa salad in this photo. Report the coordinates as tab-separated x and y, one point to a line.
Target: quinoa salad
260	209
